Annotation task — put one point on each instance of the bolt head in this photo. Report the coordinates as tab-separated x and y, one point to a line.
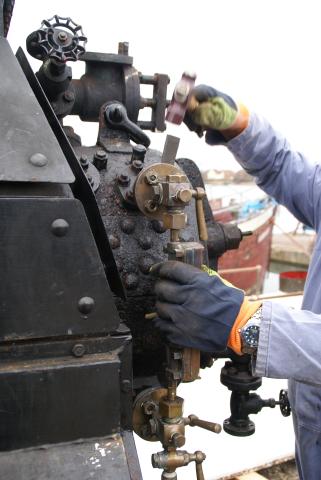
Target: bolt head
137	164
123	179
114	241
38	160
86	305
78	350
84	162
69	96
60	227
184	195
131	281
126	386
127	225
100	154
62	36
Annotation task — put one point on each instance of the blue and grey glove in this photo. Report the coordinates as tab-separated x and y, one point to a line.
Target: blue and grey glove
195	309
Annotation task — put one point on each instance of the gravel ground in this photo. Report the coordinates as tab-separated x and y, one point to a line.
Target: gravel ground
284	471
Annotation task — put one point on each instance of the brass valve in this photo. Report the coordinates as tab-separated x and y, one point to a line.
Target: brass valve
170	461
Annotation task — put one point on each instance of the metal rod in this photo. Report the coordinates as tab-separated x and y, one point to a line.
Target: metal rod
240	269
174	235
267	296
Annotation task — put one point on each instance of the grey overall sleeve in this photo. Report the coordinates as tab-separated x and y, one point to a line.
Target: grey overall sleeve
290	340
289	344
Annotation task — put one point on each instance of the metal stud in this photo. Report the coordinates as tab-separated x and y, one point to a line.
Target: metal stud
113	241
78	350
100	159
158	226
127	225
145	242
86	305
59	227
123	179
145	263
131	281
38	160
84	162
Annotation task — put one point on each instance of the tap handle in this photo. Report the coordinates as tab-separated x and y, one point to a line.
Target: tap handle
199	471
116	117
199	194
194	421
198	457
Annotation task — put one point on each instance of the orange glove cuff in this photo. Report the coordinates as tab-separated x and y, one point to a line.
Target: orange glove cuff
240	124
247	309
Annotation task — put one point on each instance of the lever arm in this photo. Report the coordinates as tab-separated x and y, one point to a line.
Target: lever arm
194	421
116	117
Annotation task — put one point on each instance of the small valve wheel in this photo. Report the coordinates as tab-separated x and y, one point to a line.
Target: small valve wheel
58	38
284	403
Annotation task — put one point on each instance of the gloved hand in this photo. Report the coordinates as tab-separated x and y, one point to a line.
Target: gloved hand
216	113
199	309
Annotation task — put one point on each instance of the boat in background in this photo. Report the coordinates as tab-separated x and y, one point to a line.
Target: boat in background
246	267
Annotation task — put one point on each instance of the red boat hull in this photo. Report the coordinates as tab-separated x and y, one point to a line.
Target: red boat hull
246	266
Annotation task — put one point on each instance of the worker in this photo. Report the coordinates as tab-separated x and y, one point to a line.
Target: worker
199	309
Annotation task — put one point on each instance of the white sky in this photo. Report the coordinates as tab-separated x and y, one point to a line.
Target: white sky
265	53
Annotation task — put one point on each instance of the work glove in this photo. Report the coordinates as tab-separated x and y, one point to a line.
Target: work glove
216	113
199	309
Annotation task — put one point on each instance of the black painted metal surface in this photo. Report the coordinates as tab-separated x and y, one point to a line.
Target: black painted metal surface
81	187
82	391
30	152
104	458
53	282
137	243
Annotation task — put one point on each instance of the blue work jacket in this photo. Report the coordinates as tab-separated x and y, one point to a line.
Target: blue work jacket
290	340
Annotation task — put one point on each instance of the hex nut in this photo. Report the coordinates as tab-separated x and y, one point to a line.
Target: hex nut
171	408
174	221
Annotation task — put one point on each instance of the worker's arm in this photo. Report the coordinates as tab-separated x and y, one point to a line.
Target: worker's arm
281	172
289	344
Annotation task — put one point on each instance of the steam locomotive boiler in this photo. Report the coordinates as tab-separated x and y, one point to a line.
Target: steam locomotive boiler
81	363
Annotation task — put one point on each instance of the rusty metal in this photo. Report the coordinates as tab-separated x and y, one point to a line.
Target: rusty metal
170	149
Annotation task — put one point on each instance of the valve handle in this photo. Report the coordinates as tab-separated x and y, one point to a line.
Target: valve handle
58	38
194	421
284	403
199	193
116	117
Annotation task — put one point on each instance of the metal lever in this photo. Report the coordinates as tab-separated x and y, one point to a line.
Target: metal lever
199	459
199	193
116	117
194	421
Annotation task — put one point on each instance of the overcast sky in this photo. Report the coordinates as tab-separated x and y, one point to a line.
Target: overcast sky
265	53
